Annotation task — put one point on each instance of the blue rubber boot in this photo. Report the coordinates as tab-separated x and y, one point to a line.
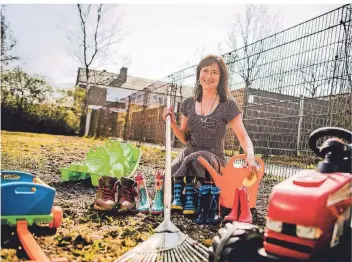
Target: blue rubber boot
177	202
213	216
189	208
204	199
144	201
158	203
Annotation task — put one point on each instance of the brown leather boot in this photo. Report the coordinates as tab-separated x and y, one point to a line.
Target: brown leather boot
106	194
126	195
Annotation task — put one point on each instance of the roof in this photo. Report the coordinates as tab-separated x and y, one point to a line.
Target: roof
106	79
137	83
109	80
97	77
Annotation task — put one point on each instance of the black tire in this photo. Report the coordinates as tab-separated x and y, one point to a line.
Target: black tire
342	252
237	242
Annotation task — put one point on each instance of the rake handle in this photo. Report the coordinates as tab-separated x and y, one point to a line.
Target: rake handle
167	188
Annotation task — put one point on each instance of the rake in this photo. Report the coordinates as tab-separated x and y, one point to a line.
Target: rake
168	243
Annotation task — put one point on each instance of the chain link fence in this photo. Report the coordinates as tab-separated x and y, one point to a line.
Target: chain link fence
286	85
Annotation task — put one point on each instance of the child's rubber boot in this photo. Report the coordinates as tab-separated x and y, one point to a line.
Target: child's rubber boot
233	216
214	209
144	201
245	213
177	202
189	208
204	198
158	203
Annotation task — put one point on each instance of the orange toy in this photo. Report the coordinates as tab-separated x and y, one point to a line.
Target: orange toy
234	177
32	248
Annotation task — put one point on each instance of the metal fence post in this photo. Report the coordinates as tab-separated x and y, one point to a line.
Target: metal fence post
127	119
144	115
300	120
244	111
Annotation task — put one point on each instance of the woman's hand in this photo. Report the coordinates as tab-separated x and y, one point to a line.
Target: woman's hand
250	162
169	111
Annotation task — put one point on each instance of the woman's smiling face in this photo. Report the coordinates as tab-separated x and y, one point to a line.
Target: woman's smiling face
209	77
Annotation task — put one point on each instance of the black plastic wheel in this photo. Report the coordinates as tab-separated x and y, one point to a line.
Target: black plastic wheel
237	242
342	252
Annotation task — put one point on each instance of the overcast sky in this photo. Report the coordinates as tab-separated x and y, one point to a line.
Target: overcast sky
160	40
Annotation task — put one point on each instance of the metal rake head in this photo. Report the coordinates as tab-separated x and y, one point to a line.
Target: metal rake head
167	247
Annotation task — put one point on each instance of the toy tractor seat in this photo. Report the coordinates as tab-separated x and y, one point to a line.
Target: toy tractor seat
233	177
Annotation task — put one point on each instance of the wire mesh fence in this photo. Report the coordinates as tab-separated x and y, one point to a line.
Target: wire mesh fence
286	85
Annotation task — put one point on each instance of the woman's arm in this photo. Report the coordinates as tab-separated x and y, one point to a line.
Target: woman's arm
180	132
245	142
242	136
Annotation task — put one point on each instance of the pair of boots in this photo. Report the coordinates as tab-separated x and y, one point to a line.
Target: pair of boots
188	207
240	211
208	208
157	206
113	193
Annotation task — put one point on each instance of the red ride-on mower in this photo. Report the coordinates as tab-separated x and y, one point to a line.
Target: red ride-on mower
309	214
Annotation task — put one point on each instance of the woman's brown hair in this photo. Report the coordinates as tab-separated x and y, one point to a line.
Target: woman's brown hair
222	88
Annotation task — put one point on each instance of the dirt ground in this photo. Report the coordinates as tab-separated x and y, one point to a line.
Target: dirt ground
86	234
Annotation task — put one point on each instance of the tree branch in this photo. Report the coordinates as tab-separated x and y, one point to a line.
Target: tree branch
96	34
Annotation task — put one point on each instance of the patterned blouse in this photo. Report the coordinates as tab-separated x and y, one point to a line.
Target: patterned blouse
208	132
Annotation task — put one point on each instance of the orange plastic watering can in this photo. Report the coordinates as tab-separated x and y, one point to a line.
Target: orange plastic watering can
233	177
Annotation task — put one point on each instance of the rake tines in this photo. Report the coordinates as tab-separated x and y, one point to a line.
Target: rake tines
187	251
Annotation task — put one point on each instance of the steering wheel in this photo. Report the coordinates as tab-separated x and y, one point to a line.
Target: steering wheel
327	131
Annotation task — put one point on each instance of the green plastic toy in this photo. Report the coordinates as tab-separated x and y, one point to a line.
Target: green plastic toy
75	171
113	159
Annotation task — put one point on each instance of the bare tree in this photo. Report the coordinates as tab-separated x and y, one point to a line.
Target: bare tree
93	45
8	42
248	31
312	78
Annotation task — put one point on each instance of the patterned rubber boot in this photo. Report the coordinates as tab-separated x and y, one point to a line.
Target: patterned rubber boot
144	201
189	208
106	194
177	202
126	195
214	209
158	203
204	198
